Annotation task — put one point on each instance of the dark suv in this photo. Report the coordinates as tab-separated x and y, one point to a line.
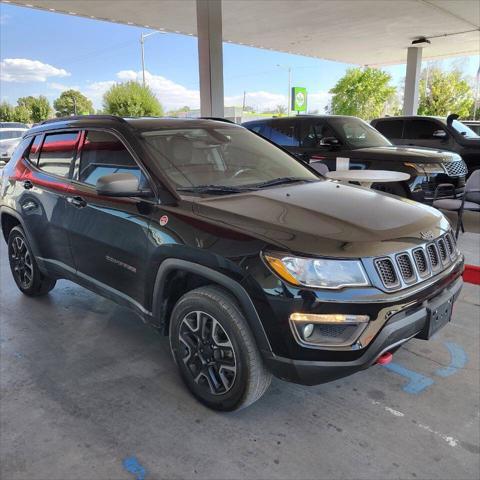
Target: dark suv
434	132
347	142
249	261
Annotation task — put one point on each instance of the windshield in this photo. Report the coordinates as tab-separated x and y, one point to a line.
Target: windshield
357	133
229	157
462	129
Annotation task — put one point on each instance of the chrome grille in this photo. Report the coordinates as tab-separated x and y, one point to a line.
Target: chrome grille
406	268
442	250
433	256
421	262
387	273
456	169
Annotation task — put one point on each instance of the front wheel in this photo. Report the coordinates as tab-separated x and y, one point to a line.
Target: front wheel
215	350
23	266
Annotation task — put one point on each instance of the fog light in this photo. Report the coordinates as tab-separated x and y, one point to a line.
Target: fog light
307	330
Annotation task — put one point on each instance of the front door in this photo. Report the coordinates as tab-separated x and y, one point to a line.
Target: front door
109	235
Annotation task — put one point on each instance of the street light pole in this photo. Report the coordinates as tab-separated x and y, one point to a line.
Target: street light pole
143	36
289	96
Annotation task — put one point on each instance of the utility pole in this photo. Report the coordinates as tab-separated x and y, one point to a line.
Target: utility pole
289	96
143	36
243	106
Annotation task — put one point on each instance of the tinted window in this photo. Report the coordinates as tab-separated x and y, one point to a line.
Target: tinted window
315	132
390	128
357	133
57	153
104	154
283	132
420	129
35	149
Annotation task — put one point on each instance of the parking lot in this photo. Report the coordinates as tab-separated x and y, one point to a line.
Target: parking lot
89	392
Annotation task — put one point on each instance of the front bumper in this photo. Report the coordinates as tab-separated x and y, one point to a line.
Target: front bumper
400	327
423	187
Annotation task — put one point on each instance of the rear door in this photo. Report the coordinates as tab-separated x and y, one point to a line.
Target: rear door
109	235
43	202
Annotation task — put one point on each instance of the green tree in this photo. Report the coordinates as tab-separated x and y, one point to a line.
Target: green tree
73	102
442	93
7	112
362	92
130	99
39	107
21	114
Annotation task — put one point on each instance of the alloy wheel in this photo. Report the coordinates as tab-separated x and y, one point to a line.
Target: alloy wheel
21	262
208	353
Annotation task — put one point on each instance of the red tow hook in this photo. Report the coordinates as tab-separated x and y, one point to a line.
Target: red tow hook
384	359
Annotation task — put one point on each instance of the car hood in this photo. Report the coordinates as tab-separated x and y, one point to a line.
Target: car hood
326	218
407	154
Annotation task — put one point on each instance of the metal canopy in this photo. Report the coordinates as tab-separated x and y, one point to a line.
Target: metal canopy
363	32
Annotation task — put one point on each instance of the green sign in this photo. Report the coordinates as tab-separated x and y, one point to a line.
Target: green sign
299	99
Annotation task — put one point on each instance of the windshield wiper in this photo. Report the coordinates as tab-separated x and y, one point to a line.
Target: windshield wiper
214	189
282	181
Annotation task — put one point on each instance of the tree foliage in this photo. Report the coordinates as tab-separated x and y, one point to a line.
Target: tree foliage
39	107
22	114
442	93
73	102
130	99
7	112
362	92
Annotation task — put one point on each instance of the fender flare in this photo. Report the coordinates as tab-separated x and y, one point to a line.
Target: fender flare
232	286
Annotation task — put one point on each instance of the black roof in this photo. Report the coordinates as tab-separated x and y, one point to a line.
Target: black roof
138	123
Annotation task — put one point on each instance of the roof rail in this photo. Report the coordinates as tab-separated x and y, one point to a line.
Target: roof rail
83	117
218	119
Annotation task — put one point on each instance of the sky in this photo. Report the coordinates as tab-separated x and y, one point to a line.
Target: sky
44	53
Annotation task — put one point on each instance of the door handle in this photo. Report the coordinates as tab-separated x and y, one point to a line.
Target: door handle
77	202
27	185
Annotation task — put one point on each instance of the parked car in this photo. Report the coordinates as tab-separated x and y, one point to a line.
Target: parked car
249	261
340	140
473	125
10	136
434	132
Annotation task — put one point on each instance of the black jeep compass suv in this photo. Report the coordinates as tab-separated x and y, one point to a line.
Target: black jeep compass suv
249	261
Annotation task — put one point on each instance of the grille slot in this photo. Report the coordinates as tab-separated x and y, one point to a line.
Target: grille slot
450	244
387	273
456	169
442	250
421	262
406	268
433	256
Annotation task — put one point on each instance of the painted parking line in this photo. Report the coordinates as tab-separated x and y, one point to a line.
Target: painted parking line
416	381
132	465
458	360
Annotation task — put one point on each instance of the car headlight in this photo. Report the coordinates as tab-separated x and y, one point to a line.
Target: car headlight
426	167
317	272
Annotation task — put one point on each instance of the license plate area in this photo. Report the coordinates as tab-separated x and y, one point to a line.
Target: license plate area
439	314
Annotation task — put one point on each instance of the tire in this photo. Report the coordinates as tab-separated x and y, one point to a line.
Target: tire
215	350
394	188
24	268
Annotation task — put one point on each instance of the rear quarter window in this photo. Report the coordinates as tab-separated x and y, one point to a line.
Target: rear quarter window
57	153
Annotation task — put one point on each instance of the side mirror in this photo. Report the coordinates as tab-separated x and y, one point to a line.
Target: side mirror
439	134
329	142
120	185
